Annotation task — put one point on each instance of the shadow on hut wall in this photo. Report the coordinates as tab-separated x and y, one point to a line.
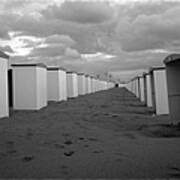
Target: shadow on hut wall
10	87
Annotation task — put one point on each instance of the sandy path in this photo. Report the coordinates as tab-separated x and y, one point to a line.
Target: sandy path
93	136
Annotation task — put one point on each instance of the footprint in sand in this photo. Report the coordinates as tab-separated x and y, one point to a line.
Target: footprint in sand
175	172
64	167
29	134
27	158
86	145
95	114
3	154
81	138
68	142
10	142
92	139
70	153
12	151
98	151
59	146
65	134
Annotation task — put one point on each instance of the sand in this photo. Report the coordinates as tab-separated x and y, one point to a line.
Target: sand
109	134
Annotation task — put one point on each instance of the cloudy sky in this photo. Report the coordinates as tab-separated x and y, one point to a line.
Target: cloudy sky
118	37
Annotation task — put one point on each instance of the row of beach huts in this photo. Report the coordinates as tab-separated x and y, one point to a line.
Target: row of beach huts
31	86
159	88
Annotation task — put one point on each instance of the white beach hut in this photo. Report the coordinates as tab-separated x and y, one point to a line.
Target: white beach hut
64	80
4	105
81	84
56	84
141	82
89	84
96	85
72	84
137	87
159	90
145	88
173	75
29	86
92	84
148	90
86	83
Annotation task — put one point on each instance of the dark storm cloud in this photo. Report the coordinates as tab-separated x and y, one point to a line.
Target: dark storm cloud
125	30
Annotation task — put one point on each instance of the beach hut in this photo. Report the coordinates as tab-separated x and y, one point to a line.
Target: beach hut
86	84
141	82
56	84
96	85
81	84
4	105
137	87
29	86
92	84
89	84
173	75
148	90
64	80
72	84
159	90
145	88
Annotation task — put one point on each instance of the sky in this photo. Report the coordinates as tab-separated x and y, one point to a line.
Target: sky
114	38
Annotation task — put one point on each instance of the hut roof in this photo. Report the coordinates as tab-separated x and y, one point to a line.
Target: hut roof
172	58
3	55
26	65
156	68
80	74
55	68
71	72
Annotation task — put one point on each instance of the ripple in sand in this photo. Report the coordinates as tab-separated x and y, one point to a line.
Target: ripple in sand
27	158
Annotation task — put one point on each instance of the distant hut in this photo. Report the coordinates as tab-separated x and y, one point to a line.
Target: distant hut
159	90
142	95
56	84
72	84
147	89
87	84
4	105
172	63
81	84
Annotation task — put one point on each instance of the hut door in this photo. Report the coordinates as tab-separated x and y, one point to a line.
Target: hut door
10	87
